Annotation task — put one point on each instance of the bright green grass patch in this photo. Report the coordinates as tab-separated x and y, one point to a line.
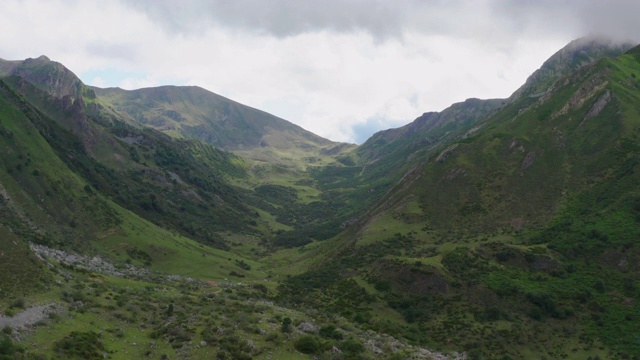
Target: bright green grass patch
387	224
268	222
173	254
291	261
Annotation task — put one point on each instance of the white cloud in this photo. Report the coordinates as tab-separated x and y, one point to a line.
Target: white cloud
339	68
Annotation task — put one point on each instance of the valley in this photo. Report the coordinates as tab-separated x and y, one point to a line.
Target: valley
172	222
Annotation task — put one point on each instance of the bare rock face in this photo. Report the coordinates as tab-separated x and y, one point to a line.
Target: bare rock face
529	160
308	328
603	100
50	75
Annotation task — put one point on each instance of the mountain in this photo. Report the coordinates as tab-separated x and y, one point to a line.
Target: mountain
196	113
523	232
48	75
188	112
103	219
171	222
578	53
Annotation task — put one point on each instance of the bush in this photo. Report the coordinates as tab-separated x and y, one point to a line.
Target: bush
20	304
308	344
80	345
351	347
286	325
329	332
8	349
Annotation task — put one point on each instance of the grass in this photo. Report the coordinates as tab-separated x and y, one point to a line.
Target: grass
173	254
497	249
141	319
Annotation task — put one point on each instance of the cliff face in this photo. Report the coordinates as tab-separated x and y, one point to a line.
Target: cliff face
48	75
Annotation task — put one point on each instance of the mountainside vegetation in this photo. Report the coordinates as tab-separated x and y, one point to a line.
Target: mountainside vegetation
174	223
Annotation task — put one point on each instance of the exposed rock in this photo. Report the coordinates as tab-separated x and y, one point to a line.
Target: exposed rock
529	160
308	328
445	153
454	173
28	317
582	95
603	100
95	263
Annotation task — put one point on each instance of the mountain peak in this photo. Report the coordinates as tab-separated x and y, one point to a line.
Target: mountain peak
48	75
41	58
577	53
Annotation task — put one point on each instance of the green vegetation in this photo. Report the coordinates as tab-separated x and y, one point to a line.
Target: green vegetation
181	224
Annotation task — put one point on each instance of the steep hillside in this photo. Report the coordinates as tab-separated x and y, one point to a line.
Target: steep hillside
182	183
250	195
570	58
428	131
93	262
196	113
188	112
48	75
501	228
386	157
530	223
177	184
48	198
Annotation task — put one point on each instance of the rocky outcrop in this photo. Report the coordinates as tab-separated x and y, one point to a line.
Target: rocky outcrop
578	53
602	101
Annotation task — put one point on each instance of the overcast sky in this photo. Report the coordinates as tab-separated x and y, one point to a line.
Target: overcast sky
342	69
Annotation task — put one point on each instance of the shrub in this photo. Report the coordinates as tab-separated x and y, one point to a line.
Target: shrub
308	344
286	325
329	332
80	345
351	347
18	304
8	349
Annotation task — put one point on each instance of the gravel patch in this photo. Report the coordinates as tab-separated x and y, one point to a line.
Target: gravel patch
28	317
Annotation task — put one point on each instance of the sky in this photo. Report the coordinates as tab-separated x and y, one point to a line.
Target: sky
342	69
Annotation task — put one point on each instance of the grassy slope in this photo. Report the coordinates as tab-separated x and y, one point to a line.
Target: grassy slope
193	112
530	224
49	203
487	247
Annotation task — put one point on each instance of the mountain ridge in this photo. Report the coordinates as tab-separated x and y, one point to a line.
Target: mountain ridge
201	114
501	227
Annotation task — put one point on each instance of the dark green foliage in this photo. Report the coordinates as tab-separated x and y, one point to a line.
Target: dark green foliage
19	303
233	347
242	265
351	348
9	350
139	255
329	332
80	345
286	325
464	264
308	344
